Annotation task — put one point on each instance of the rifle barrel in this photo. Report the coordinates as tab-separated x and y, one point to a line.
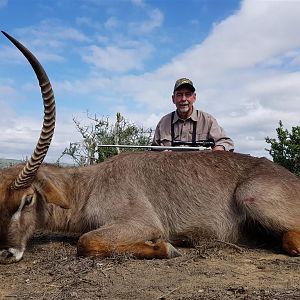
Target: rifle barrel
178	148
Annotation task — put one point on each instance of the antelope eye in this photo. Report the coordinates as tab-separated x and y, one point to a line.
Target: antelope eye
28	200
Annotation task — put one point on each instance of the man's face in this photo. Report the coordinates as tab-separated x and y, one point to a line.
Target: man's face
184	99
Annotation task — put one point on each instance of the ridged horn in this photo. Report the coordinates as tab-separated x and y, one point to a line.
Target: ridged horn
26	176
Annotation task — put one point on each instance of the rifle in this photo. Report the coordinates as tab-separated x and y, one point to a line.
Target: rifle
178	146
202	143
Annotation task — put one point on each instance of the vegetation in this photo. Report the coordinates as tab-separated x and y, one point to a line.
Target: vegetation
103	132
285	150
5	163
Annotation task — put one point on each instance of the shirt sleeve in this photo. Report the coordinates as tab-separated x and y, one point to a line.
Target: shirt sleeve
219	136
162	134
156	137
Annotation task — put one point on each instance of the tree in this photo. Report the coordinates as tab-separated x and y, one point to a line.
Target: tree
103	132
286	150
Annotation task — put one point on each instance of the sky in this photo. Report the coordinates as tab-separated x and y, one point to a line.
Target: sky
109	56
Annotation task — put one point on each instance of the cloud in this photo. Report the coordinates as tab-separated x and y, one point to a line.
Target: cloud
84	86
138	2
3	3
47	41
89	22
111	23
156	19
6	91
9	54
20	137
52	31
116	59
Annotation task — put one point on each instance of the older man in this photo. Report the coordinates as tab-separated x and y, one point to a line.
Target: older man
187	124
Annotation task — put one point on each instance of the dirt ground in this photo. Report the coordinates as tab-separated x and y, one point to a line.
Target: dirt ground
50	269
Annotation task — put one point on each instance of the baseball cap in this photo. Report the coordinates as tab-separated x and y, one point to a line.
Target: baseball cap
184	82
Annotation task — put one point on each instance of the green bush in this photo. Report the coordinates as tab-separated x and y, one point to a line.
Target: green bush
103	132
285	150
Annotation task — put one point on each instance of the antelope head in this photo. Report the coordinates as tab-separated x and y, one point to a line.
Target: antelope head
19	195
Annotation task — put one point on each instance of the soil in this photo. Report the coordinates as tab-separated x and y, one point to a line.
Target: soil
50	269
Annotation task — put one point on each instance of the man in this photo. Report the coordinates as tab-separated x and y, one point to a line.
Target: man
187	124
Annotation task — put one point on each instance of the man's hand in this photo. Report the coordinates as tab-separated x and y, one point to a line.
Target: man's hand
218	148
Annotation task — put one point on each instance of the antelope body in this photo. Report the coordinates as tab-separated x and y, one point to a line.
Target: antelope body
144	203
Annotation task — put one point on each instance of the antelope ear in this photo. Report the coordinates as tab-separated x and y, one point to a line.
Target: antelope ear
53	195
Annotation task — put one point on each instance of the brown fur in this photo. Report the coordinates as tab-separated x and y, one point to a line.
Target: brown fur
140	202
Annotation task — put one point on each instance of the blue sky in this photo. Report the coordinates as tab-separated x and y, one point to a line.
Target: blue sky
109	56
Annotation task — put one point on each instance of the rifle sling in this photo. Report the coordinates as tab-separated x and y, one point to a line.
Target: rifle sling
173	133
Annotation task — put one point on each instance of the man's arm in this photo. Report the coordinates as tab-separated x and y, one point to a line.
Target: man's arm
156	137
222	141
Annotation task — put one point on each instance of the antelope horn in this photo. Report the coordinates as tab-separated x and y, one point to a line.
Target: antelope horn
26	176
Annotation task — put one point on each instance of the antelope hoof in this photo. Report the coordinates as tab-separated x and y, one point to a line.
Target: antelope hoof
291	243
172	251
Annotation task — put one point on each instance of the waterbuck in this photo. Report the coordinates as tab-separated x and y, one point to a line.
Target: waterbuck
144	203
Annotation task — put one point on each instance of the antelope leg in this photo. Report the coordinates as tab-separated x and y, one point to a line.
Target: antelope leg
123	239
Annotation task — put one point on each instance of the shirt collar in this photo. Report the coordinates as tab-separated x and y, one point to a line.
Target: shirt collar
193	116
